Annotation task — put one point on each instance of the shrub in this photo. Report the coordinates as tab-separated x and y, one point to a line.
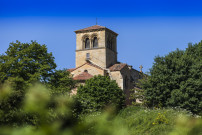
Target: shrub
98	93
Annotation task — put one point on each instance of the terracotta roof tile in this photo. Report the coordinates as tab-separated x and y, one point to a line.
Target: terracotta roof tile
94	27
117	67
83	76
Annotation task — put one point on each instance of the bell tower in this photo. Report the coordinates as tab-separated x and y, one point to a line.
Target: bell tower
96	44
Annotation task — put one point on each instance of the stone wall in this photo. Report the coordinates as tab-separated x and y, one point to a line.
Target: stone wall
116	75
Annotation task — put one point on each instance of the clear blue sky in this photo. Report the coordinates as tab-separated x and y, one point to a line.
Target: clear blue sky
146	28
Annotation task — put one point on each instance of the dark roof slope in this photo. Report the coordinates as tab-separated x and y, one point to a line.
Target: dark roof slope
117	67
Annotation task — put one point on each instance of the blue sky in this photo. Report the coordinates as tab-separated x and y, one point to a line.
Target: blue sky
146	28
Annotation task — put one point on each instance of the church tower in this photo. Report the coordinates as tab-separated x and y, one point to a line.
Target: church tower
96	44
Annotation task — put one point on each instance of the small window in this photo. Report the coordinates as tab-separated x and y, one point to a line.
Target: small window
95	42
86	71
87	43
87	56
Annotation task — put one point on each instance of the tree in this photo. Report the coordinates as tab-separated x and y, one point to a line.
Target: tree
22	65
28	62
176	80
98	93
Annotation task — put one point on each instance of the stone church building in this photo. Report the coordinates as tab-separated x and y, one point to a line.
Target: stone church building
96	54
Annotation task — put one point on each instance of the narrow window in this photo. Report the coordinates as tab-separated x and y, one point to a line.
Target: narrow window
87	56
95	42
87	43
111	44
108	44
126	82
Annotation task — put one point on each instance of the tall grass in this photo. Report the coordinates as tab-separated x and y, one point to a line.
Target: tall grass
144	121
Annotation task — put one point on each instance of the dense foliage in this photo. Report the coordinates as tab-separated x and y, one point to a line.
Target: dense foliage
53	116
98	93
176	80
22	65
26	62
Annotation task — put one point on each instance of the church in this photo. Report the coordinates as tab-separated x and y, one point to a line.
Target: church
96	54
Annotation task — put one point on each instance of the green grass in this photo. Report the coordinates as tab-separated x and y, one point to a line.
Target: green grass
143	121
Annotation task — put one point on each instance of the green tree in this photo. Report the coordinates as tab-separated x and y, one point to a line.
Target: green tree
176	80
22	65
98	93
26	62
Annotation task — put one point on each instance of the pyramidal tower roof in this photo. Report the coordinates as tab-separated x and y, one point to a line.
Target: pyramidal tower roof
93	28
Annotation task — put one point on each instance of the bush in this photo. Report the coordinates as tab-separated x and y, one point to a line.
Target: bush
98	93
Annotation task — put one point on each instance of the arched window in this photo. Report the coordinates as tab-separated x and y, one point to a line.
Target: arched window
87	43
95	42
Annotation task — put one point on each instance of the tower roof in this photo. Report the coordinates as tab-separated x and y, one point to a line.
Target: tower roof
93	28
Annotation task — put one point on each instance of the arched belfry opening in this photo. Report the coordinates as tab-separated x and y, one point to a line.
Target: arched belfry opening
95	42
87	43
